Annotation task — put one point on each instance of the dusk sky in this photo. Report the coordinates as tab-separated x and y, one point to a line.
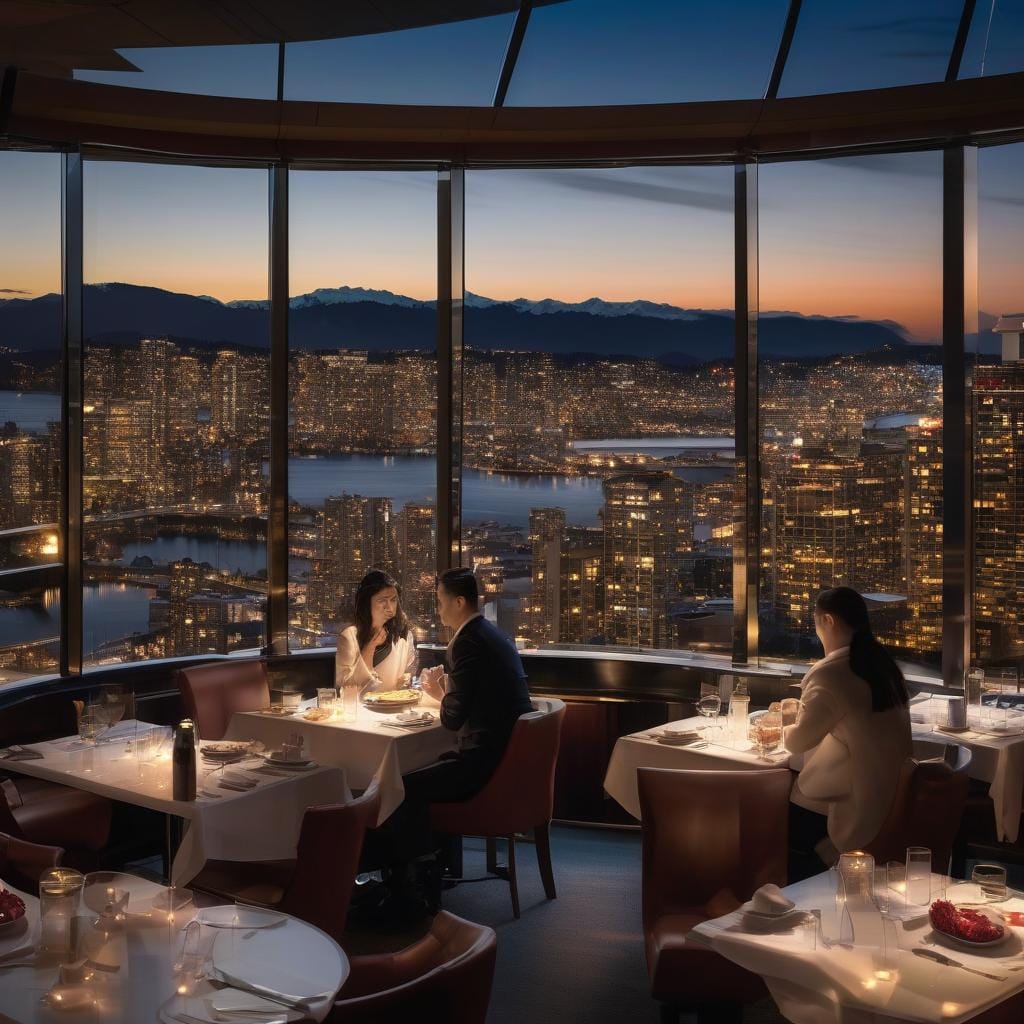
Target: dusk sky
856	236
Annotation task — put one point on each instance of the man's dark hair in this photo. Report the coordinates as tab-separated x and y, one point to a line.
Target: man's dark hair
461	583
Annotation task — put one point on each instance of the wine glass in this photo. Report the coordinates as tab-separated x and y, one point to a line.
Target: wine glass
768	734
709	706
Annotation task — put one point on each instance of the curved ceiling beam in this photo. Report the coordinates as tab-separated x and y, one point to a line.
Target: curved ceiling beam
62	111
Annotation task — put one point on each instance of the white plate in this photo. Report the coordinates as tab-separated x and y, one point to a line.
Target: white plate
952	940
233	916
754	922
10	928
299	766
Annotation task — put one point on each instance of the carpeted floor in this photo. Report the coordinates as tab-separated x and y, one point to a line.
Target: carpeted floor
578	959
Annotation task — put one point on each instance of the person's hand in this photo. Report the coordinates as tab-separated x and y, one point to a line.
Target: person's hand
432	682
377	640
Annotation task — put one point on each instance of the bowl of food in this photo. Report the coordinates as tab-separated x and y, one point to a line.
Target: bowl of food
966	926
389	701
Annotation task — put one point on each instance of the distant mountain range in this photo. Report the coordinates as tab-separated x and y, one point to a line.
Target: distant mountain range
359	318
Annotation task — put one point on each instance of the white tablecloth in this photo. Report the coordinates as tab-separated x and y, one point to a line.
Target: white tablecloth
861	984
261	824
998	760
366	747
639	750
145	952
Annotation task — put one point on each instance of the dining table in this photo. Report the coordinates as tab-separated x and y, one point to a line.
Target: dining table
996	742
163	958
375	743
658	748
888	965
246	810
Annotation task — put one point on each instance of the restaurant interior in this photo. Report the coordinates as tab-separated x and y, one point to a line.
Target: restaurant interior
512	510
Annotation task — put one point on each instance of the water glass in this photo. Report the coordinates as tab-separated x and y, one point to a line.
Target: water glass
880	891
349	702
59	890
919	876
768	734
88	727
991	879
326	698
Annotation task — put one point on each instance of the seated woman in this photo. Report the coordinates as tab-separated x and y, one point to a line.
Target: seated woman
854	727
379	646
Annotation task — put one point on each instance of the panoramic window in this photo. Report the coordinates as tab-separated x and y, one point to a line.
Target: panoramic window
998	410
873	44
455	63
30	414
176	424
995	45
247	71
850	396
595	52
598	404
362	470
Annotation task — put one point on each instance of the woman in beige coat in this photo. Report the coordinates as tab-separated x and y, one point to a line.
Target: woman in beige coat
378	647
853	730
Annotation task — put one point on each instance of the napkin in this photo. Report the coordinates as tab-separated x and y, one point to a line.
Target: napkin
19	753
769	899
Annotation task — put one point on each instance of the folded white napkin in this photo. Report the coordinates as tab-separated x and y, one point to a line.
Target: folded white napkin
770	899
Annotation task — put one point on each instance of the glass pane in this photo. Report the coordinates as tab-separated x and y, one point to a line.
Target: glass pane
873	44
594	52
995	45
598	404
999	409
245	71
176	411
362	469
456	64
851	404
30	408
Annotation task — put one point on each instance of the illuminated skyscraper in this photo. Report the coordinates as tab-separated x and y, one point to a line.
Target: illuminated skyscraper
417	563
581	592
647	530
547	526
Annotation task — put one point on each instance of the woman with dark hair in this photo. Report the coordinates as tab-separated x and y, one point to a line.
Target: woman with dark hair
379	646
853	728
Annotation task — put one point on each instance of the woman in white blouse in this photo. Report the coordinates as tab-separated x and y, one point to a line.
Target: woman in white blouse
379	643
854	729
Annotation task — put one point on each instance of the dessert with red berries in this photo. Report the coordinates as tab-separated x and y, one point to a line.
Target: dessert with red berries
964	923
11	907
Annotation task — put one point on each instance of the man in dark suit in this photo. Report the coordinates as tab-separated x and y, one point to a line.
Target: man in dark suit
481	697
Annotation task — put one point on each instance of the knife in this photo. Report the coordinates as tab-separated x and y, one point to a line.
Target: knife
940	958
301	1003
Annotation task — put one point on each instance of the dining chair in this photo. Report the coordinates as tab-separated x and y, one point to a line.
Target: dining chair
212	693
21	863
710	840
518	798
444	976
926	811
49	814
316	885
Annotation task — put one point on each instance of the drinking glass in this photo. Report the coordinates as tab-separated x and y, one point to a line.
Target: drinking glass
768	734
350	702
113	701
709	706
991	878
326	698
919	875
790	709
88	727
880	891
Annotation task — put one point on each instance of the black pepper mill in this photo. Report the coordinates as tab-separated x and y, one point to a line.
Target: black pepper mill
184	760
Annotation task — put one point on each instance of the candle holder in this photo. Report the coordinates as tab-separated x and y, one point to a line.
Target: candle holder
857	871
59	890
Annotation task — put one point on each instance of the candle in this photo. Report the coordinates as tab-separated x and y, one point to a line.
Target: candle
856	871
58	904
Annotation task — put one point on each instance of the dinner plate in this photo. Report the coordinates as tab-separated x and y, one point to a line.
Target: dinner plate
679	740
233	916
278	762
753	921
958	943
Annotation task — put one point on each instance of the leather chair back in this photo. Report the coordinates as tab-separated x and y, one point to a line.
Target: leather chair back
330	842
445	976
521	793
21	862
213	693
711	838
929	804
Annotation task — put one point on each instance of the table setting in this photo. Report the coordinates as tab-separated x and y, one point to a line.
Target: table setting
117	947
865	942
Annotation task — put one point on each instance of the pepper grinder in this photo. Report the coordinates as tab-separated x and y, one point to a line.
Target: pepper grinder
184	760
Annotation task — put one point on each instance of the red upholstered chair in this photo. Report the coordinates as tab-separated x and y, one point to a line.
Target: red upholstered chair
22	863
445	976
517	798
710	839
329	846
926	811
213	693
49	814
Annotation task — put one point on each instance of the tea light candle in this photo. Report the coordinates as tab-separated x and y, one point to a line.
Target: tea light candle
856	869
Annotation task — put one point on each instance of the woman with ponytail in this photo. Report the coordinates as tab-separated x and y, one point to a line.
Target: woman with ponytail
853	729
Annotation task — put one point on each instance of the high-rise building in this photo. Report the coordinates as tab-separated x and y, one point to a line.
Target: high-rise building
547	527
581	593
647	530
417	564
